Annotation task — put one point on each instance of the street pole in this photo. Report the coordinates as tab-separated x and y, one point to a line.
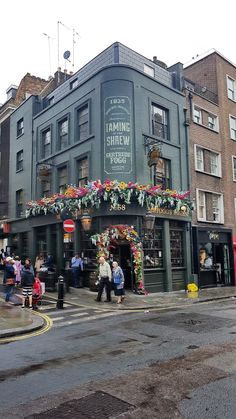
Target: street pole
60	299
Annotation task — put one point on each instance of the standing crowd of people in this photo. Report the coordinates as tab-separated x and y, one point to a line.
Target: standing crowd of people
24	275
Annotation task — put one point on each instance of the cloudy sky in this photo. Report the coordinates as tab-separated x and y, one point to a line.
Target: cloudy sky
172	30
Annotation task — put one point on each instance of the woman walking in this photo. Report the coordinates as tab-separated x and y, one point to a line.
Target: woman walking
118	280
10	277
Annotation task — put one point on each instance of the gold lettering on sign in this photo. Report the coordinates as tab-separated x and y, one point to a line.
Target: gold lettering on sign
166	211
117	207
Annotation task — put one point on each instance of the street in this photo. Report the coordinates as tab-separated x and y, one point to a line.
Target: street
159	364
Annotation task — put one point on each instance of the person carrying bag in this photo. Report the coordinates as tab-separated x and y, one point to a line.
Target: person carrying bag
10	277
119	281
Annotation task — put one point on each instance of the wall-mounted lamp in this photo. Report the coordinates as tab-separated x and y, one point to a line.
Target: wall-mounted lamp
149	221
86	221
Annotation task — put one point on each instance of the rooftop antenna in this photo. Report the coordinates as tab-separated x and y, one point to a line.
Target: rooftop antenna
49	52
74	42
74	34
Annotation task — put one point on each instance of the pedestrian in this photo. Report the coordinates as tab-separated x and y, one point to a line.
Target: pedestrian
18	266
36	293
104	280
118	280
49	261
76	268
29	263
27	281
10	277
39	261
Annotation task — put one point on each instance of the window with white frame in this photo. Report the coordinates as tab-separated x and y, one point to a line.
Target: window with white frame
212	122
231	88
232	123
207	161
235	208
205	118
197	115
210	207
234	167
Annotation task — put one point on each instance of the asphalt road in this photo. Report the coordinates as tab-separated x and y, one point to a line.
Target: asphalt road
167	364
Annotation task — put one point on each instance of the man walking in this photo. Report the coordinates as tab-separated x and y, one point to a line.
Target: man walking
104	279
77	267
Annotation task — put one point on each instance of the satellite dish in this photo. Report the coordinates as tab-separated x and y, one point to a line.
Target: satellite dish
66	55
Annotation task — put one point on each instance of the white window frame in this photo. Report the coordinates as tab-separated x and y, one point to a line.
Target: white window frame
198	147
212	120
234	168
232	128
219	210
197	112
235	208
231	93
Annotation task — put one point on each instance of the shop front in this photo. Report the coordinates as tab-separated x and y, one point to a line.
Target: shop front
213	256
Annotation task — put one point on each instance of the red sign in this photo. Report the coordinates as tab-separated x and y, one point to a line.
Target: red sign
69	226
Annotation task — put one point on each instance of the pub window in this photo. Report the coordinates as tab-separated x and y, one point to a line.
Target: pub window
82	171
176	244
19	203
62	179
153	246
46	143
63	133
46	186
159	122
19	160
20	127
83	123
162	173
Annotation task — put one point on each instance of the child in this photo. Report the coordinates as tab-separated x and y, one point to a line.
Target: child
18	267
37	292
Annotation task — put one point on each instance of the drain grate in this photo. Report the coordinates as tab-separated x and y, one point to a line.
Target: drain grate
98	405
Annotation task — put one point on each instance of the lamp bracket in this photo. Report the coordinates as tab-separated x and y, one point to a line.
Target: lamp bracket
150	142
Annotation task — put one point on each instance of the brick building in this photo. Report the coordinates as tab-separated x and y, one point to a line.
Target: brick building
210	85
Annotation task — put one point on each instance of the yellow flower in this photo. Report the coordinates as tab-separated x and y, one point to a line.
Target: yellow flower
123	185
192	287
108	188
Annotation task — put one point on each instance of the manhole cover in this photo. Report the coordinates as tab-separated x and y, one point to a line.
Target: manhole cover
98	405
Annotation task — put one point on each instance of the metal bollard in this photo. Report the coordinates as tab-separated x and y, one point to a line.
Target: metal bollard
60	298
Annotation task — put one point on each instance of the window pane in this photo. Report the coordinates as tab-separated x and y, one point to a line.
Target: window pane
234	168
20	127
63	134
199	162
82	169
19	203
83	123
159	122
197	116
176	248
162	174
153	247
233	128
62	179
46	143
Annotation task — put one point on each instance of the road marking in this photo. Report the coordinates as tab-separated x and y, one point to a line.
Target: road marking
44	329
86	319
70	310
79	314
57	318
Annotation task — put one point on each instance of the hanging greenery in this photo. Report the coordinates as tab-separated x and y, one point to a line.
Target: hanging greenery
122	231
113	191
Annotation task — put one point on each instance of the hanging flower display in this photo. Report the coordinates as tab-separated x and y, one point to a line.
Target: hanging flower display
113	191
122	231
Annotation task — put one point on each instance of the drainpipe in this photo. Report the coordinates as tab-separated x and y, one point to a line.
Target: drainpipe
186	125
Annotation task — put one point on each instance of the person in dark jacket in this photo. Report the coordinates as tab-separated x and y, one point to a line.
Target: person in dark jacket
9	277
27	281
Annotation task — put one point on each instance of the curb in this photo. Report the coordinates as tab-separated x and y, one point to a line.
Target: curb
38	323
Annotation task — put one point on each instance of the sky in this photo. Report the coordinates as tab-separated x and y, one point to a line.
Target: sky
174	31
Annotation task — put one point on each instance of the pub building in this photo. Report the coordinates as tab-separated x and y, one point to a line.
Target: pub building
121	119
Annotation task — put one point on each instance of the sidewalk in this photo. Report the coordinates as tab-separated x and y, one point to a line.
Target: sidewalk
14	320
85	297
